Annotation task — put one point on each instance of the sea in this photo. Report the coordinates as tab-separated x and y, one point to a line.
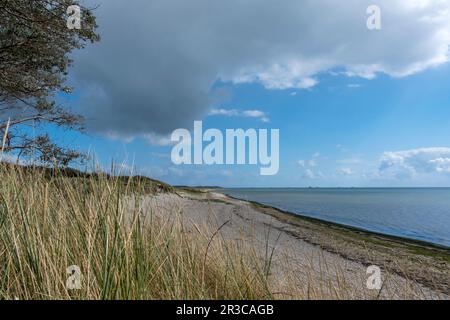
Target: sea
414	213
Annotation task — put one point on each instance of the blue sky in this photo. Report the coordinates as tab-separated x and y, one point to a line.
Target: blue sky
334	134
355	108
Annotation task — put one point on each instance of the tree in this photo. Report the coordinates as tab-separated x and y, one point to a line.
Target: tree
35	43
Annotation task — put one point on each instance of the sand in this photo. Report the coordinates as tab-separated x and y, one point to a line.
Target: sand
310	259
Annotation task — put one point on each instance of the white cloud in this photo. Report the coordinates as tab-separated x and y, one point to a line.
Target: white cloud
160	78
311	174
253	113
153	139
442	164
292	74
414	162
158	140
359	52
224	112
309	166
310	162
346	171
258	114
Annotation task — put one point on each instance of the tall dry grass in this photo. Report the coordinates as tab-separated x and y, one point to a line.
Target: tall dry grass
50	223
125	251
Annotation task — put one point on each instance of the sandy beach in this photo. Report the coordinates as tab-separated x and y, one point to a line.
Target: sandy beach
305	251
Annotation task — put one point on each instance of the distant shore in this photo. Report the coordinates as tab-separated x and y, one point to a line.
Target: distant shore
426	265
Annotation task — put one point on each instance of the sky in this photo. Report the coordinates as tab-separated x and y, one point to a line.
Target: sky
354	107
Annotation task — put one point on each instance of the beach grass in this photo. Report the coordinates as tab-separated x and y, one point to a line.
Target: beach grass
68	235
50	223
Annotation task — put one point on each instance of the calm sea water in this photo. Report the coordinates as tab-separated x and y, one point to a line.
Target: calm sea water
422	214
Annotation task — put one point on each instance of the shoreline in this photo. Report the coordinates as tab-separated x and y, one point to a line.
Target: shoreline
426	263
390	237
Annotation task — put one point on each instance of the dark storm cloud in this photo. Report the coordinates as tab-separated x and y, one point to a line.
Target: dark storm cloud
158	59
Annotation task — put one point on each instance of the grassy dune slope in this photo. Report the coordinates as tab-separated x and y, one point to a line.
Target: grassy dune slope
51	222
